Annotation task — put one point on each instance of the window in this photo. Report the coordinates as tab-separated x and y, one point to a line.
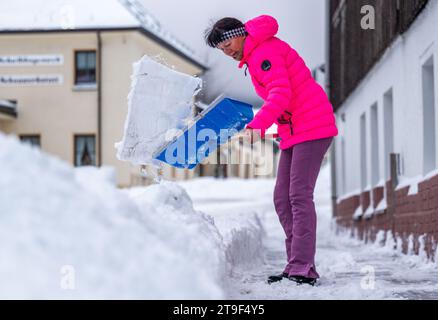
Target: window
343	166
388	120
363	153
85	150
429	130
85	67
375	159
33	140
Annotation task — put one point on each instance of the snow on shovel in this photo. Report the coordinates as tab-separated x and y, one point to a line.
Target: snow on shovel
160	100
160	127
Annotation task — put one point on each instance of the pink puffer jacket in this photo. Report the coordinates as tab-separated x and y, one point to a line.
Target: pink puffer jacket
293	99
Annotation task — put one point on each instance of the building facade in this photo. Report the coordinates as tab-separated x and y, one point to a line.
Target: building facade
65	74
383	84
64	87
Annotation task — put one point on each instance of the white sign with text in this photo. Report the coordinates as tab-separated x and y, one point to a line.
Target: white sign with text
31	80
32	60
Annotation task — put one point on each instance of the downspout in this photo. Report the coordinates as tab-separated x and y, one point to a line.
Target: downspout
99	99
327	88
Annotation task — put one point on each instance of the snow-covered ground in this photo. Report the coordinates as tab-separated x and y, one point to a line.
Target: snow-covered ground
70	233
349	269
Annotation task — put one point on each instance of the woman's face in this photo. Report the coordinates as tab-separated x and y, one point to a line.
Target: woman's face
233	47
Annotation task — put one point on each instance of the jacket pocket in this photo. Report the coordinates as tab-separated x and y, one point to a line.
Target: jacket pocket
286	119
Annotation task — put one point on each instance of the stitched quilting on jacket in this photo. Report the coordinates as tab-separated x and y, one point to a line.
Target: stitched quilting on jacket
292	98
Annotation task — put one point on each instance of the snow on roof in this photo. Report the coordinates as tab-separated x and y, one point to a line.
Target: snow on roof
28	15
61	14
151	24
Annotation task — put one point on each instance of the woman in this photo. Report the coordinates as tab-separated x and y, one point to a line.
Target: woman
306	126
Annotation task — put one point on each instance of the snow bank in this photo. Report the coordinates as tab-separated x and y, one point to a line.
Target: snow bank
187	231
159	104
68	233
237	215
243	236
385	243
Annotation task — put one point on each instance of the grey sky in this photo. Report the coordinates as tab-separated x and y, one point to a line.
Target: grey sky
302	25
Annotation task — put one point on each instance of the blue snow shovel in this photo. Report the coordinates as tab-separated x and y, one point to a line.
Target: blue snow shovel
213	127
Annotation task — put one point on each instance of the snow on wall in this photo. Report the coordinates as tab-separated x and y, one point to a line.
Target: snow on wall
400	69
67	233
387	242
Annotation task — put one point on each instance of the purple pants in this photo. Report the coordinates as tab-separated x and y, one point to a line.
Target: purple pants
298	170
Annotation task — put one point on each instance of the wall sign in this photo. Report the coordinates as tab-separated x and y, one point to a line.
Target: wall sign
31	80
32	60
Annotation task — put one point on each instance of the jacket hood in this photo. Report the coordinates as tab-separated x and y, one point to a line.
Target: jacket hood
259	30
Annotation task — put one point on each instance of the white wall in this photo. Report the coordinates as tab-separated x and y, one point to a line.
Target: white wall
399	70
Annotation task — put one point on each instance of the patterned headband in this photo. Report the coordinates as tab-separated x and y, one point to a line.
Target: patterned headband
232	34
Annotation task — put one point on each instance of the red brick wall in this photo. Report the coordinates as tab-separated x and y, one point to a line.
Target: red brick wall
365	200
406	215
378	194
345	210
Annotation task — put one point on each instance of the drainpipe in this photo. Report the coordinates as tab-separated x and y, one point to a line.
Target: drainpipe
99	99
327	88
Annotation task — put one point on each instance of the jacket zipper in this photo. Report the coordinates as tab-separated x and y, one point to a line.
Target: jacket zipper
291	128
290	123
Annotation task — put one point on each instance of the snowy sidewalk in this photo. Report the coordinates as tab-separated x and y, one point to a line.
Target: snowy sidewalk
349	269
69	233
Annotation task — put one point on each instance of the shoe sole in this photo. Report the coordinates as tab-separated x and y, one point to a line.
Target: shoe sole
300	283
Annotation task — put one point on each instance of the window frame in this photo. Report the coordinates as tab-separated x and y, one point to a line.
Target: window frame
75	67
31	136
84	135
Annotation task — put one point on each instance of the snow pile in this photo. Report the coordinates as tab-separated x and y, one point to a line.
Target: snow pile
185	230
160	102
237	214
243	235
68	233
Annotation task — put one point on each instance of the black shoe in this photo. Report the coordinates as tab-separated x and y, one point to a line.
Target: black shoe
299	280
277	278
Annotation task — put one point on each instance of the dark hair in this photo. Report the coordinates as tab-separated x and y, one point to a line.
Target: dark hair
213	34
